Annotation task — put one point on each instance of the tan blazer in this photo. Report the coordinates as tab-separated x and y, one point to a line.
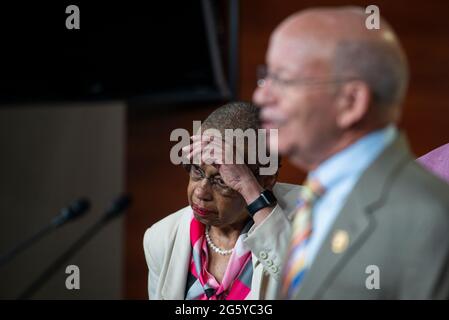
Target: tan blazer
396	219
167	249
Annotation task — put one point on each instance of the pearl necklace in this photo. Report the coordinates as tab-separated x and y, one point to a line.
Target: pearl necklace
214	247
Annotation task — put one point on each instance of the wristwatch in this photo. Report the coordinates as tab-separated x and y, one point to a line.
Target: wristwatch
266	199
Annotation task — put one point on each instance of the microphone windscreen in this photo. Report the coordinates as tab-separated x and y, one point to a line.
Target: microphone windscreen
119	205
79	207
73	211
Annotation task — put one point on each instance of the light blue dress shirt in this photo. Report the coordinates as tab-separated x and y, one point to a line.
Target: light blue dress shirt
338	175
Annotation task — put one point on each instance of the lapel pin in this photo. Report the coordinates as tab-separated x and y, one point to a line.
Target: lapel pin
340	241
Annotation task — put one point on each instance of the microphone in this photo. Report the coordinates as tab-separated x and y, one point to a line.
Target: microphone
76	209
117	207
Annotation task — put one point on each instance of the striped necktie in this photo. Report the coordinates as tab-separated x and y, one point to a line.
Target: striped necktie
295	268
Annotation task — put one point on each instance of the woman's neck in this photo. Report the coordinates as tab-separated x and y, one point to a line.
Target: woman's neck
227	235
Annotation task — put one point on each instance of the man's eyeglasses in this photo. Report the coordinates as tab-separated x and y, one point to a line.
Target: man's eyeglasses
263	75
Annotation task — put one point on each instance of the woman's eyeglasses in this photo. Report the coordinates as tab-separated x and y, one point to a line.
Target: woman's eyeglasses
197	174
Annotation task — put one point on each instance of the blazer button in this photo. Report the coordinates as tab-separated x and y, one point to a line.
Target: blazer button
263	255
269	262
274	269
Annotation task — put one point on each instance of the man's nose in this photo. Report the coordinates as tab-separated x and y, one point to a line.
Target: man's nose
263	95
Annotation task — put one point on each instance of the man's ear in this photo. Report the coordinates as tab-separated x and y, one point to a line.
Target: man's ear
353	103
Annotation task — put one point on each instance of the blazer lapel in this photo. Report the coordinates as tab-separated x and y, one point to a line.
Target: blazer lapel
256	281
353	224
178	263
348	232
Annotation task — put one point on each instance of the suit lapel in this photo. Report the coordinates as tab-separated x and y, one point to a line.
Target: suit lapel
349	230
353	224
178	263
256	281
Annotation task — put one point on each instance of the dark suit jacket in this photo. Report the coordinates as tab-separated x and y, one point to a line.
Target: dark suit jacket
396	218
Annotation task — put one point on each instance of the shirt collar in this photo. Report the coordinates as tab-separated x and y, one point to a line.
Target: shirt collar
353	160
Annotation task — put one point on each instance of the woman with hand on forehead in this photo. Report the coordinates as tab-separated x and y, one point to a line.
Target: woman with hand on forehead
229	242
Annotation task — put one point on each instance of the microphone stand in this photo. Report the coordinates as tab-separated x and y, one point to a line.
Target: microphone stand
118	207
75	210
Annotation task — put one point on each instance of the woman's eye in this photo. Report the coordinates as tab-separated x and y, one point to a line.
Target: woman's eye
196	171
221	183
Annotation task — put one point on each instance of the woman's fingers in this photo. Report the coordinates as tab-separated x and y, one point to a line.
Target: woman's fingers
193	149
206	149
202	137
228	147
212	154
203	154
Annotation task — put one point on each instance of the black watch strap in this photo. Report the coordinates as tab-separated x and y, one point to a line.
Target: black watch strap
266	199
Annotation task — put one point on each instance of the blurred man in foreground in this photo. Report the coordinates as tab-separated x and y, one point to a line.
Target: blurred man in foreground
372	224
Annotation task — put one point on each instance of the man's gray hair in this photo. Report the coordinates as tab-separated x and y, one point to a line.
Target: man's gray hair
383	67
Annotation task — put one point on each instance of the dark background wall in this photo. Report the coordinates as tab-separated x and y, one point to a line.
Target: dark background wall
160	188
